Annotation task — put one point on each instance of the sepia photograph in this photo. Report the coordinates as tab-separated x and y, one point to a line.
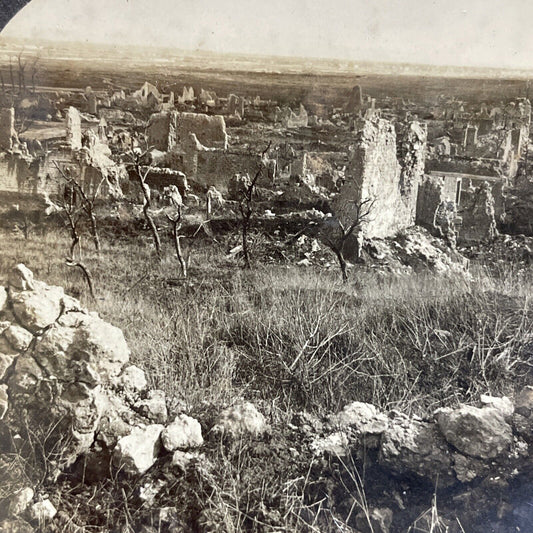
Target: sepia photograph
266	266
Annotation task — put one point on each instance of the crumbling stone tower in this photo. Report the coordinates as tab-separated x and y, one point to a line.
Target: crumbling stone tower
7	128
376	174
73	128
355	102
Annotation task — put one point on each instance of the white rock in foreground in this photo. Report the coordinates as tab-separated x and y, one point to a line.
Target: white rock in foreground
184	432
138	451
43	511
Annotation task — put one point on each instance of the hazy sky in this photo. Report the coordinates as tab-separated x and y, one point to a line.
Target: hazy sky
456	32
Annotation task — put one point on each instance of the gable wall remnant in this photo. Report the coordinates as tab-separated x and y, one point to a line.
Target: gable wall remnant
375	175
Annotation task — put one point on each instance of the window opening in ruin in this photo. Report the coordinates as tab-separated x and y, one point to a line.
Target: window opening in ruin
458	192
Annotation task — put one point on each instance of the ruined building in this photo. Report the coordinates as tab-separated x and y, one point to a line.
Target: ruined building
385	176
8	134
168	129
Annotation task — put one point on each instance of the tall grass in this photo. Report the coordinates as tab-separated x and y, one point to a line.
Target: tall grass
298	337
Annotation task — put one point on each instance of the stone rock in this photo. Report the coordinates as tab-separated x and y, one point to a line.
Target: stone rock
362	417
414	446
4	401
503	404
482	433
21	278
38	308
117	420
183	459
19	502
5	362
468	468
240	419
524	401
18	337
3	299
88	351
4	324
154	407
43	511
138	451
336	444
184	432
132	379
379	520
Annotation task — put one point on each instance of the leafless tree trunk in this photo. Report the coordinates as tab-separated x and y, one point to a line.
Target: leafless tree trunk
176	226
87	203
360	214
246	208
86	275
141	176
11	74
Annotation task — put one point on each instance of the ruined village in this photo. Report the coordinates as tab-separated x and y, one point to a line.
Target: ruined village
265	308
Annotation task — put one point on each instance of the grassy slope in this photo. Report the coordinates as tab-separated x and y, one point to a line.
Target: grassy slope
297	336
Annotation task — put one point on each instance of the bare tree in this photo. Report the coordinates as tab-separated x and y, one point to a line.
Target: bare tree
72	213
11	75
246	207
87	201
136	159
360	213
176	226
21	74
34	71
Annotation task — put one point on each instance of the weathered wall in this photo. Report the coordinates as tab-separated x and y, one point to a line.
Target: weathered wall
167	129
73	128
478	216
209	130
7	128
374	174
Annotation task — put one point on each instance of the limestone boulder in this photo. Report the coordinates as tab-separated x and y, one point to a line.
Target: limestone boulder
414	446
38	308
503	404
16	525
524	401
153	407
21	278
42	511
240	419
6	360
135	453
477	432
184	432
87	350
18	337
132	379
364	418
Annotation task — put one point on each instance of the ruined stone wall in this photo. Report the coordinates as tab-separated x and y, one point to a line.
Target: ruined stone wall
210	130
218	168
73	128
432	192
159	131
7	128
375	174
478	216
168	129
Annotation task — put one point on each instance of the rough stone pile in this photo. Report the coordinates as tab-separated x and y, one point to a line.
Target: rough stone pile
65	381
